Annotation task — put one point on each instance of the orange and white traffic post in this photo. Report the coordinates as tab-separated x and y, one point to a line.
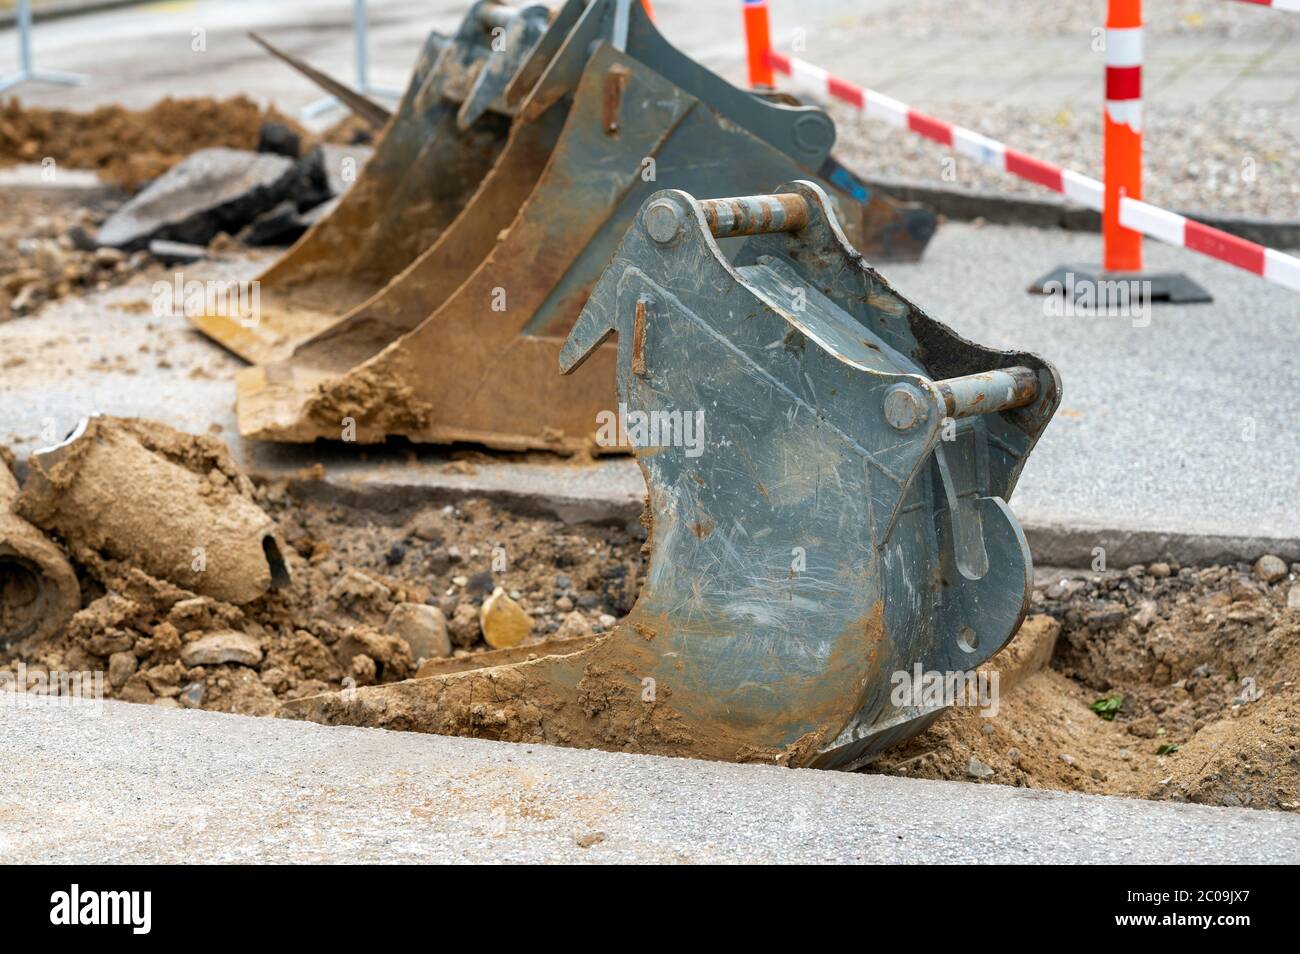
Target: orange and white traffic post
1122	133
758	43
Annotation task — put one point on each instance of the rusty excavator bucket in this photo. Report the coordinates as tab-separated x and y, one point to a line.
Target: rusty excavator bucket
449	129
459	346
828	470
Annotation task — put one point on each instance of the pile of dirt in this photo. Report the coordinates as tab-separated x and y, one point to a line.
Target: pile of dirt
1167	683
128	147
350	571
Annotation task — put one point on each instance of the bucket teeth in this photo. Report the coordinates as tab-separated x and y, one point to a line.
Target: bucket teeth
828	469
493	296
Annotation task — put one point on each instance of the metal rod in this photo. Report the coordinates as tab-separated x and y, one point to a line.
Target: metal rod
989	391
361	52
25	37
359	26
27	71
755	214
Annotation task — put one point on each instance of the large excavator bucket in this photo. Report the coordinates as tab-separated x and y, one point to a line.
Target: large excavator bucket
828	470
459	346
450	127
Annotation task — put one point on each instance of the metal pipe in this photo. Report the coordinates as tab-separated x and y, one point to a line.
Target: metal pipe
988	391
755	214
25	37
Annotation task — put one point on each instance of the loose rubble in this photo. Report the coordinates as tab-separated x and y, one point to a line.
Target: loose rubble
1199	670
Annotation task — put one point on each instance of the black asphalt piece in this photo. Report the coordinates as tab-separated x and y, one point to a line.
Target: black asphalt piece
278	139
210	191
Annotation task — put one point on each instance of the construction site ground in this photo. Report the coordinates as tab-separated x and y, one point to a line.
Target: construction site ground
1171	461
1135	463
196	787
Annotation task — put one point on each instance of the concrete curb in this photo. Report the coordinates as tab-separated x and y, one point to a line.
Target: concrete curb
965	204
1059	545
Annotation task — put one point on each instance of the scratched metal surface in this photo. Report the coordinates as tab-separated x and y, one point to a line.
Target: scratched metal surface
596	117
911	553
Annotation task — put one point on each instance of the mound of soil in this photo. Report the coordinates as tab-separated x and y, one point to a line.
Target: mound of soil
1198	670
349	570
130	147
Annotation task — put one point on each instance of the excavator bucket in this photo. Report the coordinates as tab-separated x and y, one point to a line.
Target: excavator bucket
459	347
828	470
450	127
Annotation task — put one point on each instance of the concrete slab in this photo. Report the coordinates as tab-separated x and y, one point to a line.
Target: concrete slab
145	785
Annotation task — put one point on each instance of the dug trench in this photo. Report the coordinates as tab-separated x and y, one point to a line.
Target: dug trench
1165	682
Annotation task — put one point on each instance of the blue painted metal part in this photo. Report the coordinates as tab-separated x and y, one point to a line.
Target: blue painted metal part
826	534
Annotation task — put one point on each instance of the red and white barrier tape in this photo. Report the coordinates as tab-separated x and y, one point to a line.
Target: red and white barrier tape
1140	216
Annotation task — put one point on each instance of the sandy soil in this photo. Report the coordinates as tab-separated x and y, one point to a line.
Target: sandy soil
129	147
1201	669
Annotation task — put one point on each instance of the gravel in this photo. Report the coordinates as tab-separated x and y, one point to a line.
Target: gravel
1231	158
928	19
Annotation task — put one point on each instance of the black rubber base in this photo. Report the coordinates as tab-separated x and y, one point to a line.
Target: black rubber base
1081	280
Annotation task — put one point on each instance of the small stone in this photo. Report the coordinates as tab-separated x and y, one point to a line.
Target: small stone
480	584
1106	614
505	623
459	580
106	256
1270	569
589	839
167	703
574	624
191	696
1013	755
464	625
606	621
1067	759
977	769
424	629
121	667
1146	615
355	587
427	527
564	604
396	554
111	640
1293	597
363	670
1160	571
227	646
